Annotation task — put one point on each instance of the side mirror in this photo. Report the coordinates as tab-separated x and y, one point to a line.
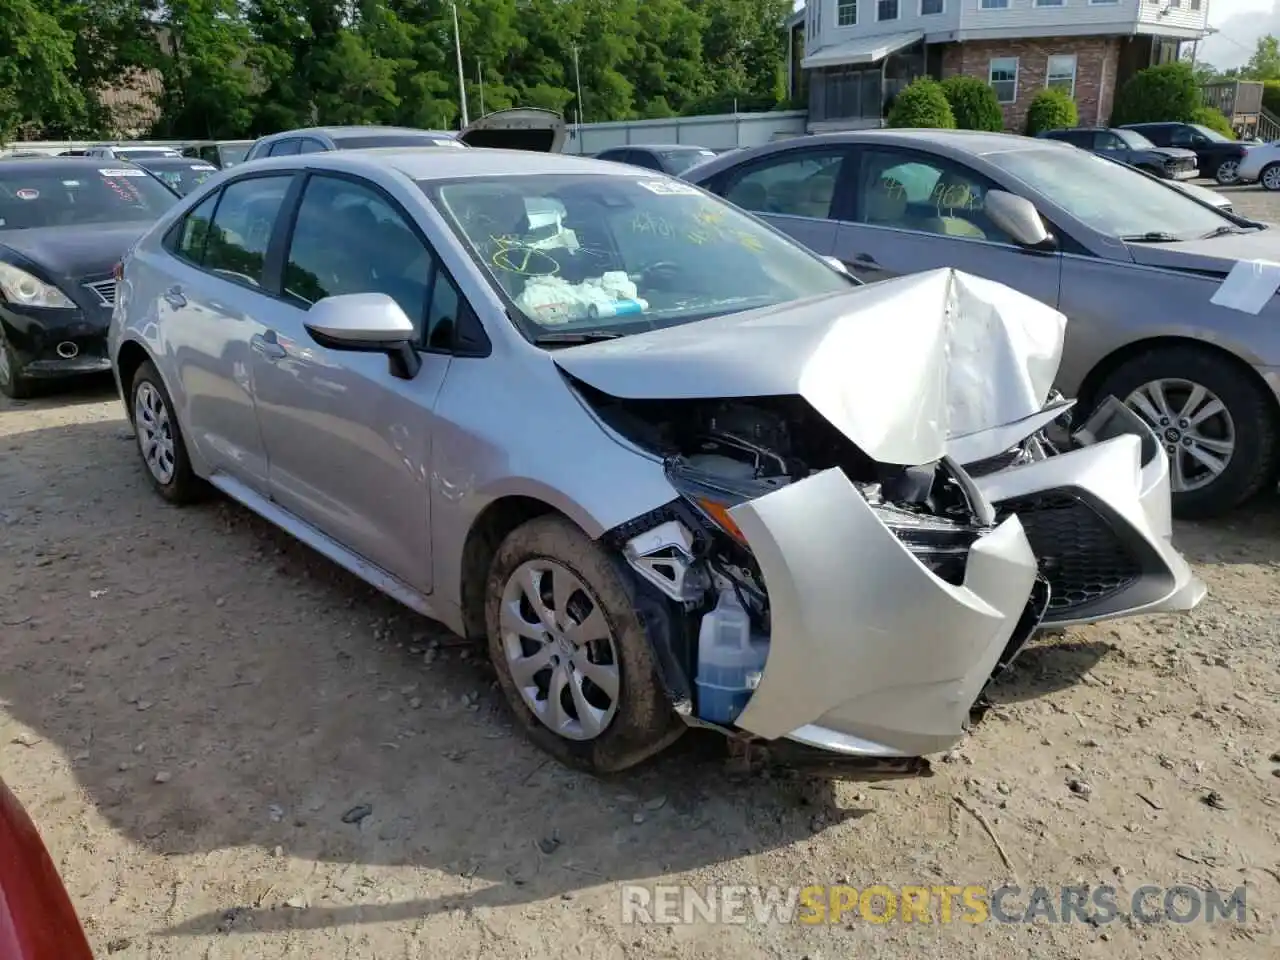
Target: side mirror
1018	217
837	264
366	323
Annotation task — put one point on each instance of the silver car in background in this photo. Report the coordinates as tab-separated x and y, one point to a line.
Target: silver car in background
1137	265
671	466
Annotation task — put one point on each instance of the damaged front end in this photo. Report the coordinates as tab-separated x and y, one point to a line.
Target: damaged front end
825	597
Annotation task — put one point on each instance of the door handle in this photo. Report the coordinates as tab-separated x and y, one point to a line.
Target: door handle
175	298
866	259
268	346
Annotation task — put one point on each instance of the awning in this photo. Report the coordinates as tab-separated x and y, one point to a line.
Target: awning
862	50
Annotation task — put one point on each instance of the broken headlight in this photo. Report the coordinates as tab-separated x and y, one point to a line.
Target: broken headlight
714	485
941	545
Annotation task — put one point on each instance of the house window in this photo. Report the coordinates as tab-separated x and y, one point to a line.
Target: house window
887	10
1103	3
1003	77
994	4
1061	74
1049	3
1195	4
847	13
930	7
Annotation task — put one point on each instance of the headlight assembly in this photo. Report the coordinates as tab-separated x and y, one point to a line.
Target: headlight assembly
20	287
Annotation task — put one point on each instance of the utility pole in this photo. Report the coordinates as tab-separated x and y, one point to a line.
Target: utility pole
480	80
462	83
577	80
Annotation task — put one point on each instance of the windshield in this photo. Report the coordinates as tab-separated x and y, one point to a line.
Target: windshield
184	177
678	161
1211	134
623	254
1134	140
231	155
1109	197
61	198
395	140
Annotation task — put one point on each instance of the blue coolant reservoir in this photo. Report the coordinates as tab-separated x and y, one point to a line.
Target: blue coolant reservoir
730	660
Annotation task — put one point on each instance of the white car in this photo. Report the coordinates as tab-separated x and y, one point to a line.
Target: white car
1261	164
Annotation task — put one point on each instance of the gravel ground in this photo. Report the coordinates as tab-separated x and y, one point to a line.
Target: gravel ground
234	749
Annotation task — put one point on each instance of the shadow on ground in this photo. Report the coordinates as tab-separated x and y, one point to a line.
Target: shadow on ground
214	684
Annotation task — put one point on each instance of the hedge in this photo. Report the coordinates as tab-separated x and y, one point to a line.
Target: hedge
922	104
1051	110
1164	94
1214	119
973	103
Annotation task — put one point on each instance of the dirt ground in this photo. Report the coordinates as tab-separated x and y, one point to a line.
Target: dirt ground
191	704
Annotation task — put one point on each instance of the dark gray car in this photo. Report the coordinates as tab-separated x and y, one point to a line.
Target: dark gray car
670	158
1131	147
1137	265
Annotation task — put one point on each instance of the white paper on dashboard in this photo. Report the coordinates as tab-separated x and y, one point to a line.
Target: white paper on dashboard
1249	286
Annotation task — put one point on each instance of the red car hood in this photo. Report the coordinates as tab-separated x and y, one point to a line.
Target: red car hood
37	920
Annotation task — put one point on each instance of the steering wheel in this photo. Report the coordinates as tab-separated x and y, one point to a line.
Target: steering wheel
670	268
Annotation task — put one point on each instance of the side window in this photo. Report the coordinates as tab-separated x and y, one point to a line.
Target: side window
1181	137
236	247
307	145
916	191
1109	141
801	184
349	239
442	318
284	148
644	158
189	239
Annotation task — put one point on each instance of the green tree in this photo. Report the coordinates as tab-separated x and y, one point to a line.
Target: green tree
1051	109
1167	92
1214	119
922	104
38	89
973	103
1265	62
208	87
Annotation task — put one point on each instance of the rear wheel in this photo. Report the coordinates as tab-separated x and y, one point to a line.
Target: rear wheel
571	655
1228	172
1269	178
160	441
1216	425
12	383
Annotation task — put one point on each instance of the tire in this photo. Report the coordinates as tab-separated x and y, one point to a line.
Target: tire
1252	459
12	383
153	421
637	723
1227	173
1269	177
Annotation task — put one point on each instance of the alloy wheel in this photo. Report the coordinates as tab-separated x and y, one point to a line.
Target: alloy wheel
1194	427
154	428
1228	172
560	649
1271	177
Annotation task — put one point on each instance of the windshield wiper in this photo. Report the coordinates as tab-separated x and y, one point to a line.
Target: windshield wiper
571	337
1221	231
1152	236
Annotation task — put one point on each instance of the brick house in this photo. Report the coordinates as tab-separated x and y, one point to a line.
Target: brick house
857	54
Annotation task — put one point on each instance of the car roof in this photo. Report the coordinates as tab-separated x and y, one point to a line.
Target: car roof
419	163
171	162
655	146
365	130
61	165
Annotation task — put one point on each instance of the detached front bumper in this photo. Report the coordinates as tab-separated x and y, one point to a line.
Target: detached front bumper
871	654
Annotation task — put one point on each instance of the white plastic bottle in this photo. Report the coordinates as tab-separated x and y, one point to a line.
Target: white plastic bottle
730	660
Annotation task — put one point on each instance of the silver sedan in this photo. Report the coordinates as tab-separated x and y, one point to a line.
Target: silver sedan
673	468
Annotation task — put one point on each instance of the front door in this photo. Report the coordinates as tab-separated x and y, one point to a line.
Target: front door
795	191
350	444
913	211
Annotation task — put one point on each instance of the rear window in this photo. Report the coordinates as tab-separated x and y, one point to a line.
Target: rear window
113	193
145	153
185	177
395	140
678	161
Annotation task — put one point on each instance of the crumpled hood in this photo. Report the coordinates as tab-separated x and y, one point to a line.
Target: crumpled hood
898	366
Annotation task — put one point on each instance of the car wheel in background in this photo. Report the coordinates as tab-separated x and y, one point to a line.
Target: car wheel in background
12	383
1270	177
571	655
1216	424
160	443
1228	172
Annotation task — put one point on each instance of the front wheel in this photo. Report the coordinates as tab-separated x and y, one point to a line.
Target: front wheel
1217	426
1269	178
12	383
571	655
1228	172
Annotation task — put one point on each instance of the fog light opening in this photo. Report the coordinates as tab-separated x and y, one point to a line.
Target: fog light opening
67	350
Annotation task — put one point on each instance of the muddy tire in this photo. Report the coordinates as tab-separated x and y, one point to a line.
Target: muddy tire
160	442
571	655
1241	438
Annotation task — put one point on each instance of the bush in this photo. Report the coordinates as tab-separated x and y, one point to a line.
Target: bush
1051	110
1271	95
1214	119
973	104
922	104
1167	93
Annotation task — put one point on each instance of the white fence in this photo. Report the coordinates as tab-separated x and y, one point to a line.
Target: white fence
722	131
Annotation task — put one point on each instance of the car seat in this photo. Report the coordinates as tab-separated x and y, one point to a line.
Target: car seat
886	204
815	196
954	199
749	196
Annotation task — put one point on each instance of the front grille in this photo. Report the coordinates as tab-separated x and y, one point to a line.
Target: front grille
1077	551
105	290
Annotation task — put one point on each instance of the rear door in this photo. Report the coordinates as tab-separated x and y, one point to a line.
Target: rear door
912	210
798	191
